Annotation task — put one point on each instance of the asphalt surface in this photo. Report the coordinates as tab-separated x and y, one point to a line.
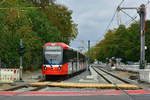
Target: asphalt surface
97	97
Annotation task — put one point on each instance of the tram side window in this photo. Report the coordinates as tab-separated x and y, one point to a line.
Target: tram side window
68	56
80	57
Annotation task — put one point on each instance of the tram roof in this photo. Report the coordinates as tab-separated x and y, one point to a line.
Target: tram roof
63	45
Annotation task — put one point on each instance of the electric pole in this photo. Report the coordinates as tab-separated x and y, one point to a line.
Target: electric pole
89	53
142	13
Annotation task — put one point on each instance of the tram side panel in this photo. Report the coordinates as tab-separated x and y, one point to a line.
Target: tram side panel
67	58
73	60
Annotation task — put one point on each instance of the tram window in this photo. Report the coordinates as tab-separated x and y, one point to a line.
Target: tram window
70	55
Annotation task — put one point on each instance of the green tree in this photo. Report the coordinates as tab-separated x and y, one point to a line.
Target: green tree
122	43
35	27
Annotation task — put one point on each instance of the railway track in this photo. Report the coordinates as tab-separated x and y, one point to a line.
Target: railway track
109	77
24	88
113	79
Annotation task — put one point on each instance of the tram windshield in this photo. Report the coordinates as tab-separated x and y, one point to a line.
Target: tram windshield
53	55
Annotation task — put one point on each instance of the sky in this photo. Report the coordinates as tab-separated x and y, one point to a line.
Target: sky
93	16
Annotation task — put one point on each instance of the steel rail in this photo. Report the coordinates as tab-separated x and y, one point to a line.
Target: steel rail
26	86
130	96
103	76
119	78
38	88
16	88
20	86
112	75
127	94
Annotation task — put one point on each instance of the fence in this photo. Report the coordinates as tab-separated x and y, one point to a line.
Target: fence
8	75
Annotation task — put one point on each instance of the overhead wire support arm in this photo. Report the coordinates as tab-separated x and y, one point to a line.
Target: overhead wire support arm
127	8
127	23
133	18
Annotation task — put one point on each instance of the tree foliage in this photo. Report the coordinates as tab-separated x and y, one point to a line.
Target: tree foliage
123	42
61	18
35	26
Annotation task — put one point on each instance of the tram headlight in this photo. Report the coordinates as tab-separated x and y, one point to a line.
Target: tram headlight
59	68
45	68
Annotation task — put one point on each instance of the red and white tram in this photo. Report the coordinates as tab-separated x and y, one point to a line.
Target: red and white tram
60	59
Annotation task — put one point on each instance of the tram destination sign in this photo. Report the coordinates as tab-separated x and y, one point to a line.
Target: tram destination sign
53	47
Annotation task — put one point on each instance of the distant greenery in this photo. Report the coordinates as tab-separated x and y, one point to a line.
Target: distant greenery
123	42
35	26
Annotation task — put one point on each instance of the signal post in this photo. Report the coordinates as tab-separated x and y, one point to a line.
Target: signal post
21	52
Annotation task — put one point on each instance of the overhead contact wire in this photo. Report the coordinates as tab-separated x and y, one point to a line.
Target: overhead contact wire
107	27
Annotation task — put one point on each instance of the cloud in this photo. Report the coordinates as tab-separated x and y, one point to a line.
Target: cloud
92	16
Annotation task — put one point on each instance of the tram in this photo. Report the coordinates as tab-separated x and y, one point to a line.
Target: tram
61	59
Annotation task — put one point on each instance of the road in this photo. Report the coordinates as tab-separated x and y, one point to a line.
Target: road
97	97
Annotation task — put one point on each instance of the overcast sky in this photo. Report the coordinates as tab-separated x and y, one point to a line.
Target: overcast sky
93	16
